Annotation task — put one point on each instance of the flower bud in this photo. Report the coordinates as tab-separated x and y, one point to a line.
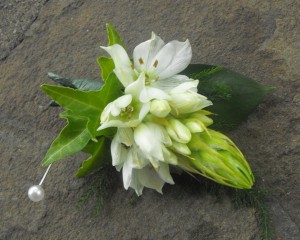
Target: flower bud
194	125
218	158
181	148
178	131
160	108
203	118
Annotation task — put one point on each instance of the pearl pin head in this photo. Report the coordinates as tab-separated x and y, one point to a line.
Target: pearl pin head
36	193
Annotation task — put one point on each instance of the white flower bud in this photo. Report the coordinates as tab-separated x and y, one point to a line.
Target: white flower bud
194	126
178	131
160	108
181	148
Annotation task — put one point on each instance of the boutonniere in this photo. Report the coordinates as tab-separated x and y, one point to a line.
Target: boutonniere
151	112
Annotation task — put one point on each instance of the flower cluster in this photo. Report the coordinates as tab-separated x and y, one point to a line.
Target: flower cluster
158	113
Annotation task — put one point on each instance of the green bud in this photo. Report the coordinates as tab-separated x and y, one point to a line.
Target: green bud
216	157
181	148
178	131
160	108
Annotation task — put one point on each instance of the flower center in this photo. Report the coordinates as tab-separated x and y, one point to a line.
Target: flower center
149	80
127	111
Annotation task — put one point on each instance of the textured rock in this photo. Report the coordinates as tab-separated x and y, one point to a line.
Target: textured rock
260	39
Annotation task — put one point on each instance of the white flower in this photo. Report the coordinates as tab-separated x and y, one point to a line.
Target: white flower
137	170
185	99
153	139
159	61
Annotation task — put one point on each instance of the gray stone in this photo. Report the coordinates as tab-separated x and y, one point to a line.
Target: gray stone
260	39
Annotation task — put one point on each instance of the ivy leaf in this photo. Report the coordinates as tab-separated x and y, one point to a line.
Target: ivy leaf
113	36
106	65
83	116
85	103
72	139
100	153
82	84
234	96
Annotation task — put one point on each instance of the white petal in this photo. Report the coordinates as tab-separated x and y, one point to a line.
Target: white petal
116	151
106	112
149	178
135	182
125	136
169	157
144	53
127	174
135	159
114	123
164	173
170	83
122	63
123	101
144	111
172	59
160	133
163	59
183	87
115	111
155	93
137	86
147	141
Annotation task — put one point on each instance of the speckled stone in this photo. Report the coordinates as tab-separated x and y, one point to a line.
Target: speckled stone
260	39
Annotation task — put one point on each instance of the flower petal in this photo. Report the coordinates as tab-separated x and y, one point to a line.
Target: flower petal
127	174
172	59
149	178
146	139
137	86
123	101
123	68
144	53
135	182
164	173
170	83
183	87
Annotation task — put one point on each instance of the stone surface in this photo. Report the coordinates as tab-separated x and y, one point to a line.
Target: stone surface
260	39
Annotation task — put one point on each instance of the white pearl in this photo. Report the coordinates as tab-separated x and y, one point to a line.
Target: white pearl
36	193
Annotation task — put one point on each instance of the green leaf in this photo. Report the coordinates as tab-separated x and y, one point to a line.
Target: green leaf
100	154
234	96
72	139
106	65
82	84
86	104
113	36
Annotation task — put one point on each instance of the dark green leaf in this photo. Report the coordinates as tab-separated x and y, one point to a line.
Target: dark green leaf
86	104
106	65
100	154
72	139
113	35
82	84
234	96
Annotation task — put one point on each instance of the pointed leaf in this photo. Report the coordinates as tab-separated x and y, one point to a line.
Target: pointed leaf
72	139
79	102
234	96
106	65
82	84
113	36
87	104
100	154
